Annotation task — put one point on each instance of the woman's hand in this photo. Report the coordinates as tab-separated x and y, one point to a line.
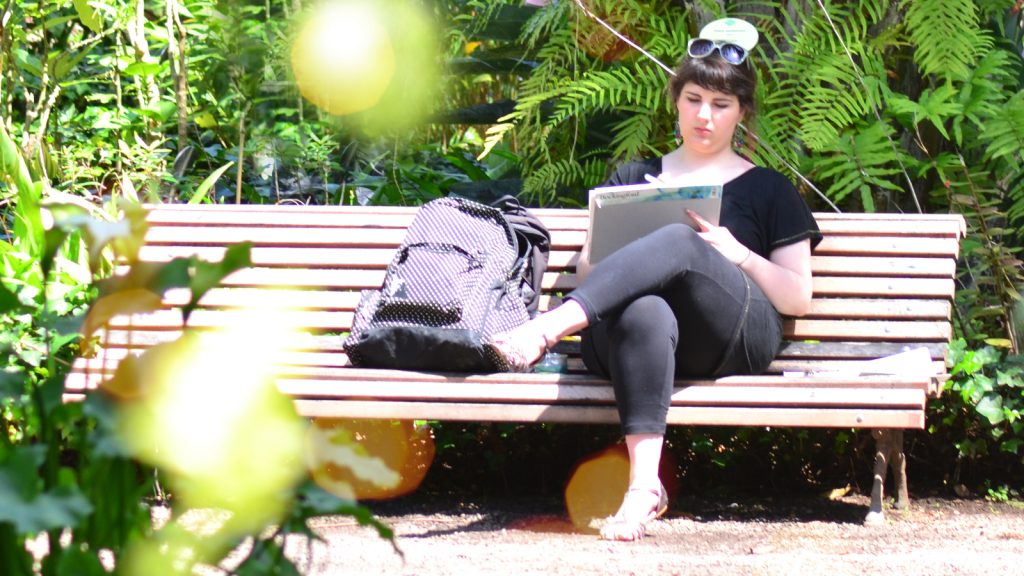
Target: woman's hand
785	277
721	239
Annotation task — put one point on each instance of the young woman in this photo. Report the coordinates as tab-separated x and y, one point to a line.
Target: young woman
683	303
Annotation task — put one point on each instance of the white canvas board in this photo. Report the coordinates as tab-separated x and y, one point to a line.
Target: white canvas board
621	214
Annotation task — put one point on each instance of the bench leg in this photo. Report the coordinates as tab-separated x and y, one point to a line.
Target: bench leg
888	454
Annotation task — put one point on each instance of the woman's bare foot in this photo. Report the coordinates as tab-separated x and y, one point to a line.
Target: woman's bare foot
639	506
525	345
520	348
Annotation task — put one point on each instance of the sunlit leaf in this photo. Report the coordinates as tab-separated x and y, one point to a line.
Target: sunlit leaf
28	225
991	407
205	120
127	302
88	15
208	275
207	184
144	69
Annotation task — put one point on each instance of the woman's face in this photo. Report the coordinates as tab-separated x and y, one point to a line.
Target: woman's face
707	119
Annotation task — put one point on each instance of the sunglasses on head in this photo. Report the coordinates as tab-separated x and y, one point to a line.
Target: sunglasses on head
702	48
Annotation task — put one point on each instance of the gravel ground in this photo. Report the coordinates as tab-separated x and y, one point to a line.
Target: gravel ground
440	536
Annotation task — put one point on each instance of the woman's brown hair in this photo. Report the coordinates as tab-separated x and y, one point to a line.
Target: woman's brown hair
714	73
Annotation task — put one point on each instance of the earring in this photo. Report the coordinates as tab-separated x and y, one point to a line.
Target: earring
739	140
676	133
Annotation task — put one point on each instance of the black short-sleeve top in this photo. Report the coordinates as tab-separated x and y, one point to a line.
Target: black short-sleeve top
761	207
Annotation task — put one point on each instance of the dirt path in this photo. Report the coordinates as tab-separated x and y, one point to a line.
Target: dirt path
793	536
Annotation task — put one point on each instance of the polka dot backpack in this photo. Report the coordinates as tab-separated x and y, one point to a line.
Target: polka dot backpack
457	279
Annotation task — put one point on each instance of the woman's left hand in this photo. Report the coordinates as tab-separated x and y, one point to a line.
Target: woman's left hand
721	239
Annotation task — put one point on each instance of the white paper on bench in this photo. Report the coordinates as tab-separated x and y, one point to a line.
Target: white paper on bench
915	361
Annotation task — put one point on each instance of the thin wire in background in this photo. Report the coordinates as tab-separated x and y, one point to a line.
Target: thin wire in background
874	107
748	132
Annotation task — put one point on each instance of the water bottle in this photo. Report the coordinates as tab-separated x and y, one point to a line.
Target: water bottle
552	362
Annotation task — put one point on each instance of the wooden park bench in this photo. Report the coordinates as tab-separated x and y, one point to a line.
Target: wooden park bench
883	283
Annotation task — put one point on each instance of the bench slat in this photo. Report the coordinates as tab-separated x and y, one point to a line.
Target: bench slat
825	286
391	237
354	256
885	266
558	219
867	330
887	246
388	233
359	279
426	380
568	393
117	341
798	329
864	308
692	416
330	300
106	364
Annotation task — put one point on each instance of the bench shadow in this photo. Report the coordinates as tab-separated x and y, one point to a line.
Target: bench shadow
465	514
771	510
472	513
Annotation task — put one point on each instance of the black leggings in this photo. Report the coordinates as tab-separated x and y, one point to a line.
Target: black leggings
670	305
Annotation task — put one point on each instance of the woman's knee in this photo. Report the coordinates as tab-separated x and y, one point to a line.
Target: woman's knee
648	317
677	235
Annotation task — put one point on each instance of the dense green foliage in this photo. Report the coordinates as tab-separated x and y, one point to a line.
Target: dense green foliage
869	105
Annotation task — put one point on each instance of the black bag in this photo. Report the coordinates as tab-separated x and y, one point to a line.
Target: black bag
455	281
534	245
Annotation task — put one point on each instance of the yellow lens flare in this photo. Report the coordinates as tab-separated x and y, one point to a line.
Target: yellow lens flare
595	488
368	459
343	57
210	415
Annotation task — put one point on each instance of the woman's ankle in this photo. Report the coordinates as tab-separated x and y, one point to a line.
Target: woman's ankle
566	319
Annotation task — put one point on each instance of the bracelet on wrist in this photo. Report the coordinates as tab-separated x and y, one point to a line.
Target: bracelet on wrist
745	258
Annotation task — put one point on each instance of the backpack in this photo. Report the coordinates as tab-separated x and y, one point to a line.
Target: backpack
456	280
534	246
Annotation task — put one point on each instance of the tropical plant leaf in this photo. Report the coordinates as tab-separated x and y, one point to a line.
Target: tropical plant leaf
88	15
208	275
859	161
947	36
23	504
935	106
208	182
1004	133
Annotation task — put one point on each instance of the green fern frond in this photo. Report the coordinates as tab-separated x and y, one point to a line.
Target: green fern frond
935	106
542	184
604	89
633	136
545	22
947	36
495	135
995	10
831	98
861	160
983	95
595	173
1004	132
816	89
483	13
